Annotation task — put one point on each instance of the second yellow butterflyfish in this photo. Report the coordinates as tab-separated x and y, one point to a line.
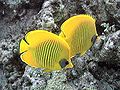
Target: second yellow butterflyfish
79	32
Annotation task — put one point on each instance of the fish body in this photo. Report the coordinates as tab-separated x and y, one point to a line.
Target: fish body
42	49
78	31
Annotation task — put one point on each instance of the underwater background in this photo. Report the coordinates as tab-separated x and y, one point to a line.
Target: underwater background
97	69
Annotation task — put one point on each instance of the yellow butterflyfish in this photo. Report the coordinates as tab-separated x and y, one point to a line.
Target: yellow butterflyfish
43	49
79	32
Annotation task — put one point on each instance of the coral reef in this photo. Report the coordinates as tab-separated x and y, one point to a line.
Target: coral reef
98	69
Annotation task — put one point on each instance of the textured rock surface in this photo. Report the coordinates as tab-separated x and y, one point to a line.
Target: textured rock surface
98	69
58	82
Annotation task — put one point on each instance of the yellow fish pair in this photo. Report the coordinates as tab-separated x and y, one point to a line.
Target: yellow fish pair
43	49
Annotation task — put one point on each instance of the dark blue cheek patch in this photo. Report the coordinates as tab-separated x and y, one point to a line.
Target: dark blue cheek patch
63	63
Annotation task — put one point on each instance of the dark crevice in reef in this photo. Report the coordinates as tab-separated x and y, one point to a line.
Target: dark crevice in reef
24	8
14	20
104	71
15	67
79	9
33	4
1	66
112	21
20	66
99	29
3	10
20	10
118	5
109	65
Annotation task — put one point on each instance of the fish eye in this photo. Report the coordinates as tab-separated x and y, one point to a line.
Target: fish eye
94	38
63	63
